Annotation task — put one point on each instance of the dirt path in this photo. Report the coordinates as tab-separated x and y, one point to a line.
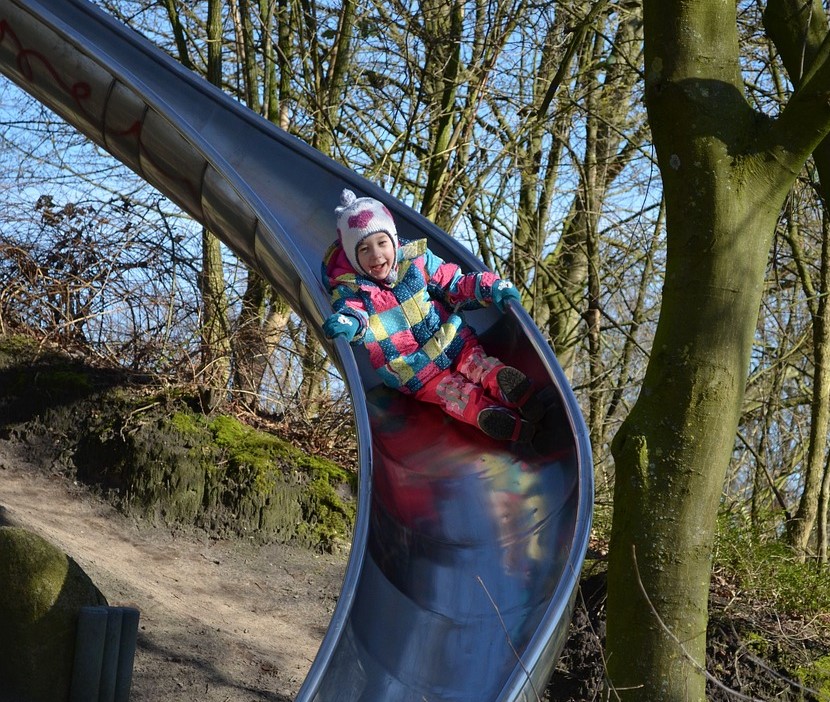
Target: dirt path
220	621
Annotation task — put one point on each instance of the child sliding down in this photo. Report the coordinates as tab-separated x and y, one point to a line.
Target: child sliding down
401	302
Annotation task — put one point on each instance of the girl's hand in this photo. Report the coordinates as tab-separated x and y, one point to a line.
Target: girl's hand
502	292
341	325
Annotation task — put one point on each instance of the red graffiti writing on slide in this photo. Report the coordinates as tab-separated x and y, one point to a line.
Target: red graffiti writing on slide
79	91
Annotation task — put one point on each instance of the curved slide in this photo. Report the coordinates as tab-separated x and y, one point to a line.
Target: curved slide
466	552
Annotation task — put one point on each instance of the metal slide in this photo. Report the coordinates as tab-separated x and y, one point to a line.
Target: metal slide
466	553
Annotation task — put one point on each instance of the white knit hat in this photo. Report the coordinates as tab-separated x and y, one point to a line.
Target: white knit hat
359	217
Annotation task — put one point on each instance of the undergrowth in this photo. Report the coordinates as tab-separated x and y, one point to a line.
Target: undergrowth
767	570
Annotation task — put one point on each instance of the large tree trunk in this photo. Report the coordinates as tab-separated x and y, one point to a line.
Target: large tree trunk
672	452
725	175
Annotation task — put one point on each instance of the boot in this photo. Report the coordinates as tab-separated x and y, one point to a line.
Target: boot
517	389
552	432
502	424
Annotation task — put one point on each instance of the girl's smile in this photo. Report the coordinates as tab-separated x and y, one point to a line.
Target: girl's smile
376	255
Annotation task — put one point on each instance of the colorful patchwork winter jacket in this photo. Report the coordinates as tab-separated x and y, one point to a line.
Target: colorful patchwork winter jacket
411	329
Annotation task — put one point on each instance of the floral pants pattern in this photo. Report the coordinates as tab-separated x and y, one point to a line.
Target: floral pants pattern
468	387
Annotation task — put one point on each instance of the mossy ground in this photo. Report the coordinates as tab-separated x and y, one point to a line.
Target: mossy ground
767	638
159	457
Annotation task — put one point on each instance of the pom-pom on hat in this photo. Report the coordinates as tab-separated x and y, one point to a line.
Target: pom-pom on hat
359	217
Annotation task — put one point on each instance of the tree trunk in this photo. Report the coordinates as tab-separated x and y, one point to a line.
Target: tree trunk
824	513
246	55
800	527
178	33
725	176
540	146
283	63
262	318
330	77
567	271
821	395
215	342
672	452
443	25
451	122
216	349
798	30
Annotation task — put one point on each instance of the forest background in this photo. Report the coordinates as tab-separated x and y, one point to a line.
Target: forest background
650	174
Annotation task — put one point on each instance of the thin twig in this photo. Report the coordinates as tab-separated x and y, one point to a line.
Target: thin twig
691	659
507	636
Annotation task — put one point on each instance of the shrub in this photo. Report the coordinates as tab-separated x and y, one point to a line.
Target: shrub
766	569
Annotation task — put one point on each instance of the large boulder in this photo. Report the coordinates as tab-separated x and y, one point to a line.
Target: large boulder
43	591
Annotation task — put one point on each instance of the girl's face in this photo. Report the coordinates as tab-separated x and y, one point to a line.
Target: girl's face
376	255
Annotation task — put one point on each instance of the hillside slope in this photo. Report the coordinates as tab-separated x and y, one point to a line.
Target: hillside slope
221	620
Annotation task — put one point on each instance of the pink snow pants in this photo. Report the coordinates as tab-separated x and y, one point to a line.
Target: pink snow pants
467	387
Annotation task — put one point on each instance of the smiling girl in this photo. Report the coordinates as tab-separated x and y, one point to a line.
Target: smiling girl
403	303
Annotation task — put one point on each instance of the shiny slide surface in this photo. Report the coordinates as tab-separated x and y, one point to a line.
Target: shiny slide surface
466	552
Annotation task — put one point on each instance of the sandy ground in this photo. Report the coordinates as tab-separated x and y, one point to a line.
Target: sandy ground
221	621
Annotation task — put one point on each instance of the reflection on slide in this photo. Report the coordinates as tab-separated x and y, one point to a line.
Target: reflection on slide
466	552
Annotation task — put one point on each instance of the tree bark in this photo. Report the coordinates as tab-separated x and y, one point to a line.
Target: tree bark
725	172
451	122
330	76
824	514
263	317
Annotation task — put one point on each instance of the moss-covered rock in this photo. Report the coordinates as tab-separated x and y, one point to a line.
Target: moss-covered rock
157	471
261	486
42	592
177	466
